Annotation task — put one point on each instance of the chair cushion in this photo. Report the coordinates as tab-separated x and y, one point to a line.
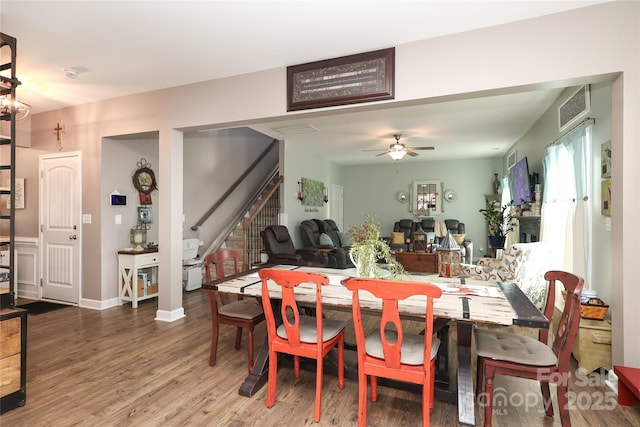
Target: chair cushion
325	240
309	333
412	352
397	238
244	309
513	348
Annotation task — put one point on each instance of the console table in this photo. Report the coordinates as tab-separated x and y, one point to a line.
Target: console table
424	262
137	275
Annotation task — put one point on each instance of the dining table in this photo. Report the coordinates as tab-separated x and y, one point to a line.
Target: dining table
465	301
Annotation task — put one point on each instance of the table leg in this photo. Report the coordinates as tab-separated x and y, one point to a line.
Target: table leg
466	414
259	373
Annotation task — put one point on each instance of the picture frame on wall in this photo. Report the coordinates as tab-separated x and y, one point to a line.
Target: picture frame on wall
606	197
605	152
145	215
363	77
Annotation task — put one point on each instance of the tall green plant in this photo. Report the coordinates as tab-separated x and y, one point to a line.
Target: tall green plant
500	220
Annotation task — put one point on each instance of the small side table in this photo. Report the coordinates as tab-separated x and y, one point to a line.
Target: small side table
131	285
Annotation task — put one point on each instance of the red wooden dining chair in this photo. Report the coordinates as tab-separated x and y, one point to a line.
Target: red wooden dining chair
243	313
388	351
502	353
298	334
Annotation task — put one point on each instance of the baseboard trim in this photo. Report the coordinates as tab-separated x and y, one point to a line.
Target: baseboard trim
170	316
98	304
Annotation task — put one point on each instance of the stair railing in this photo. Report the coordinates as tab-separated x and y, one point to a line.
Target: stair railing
266	213
227	193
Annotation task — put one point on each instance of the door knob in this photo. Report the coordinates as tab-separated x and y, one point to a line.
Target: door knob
73	237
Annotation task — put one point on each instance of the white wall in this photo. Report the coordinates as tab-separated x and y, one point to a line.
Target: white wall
121	155
213	161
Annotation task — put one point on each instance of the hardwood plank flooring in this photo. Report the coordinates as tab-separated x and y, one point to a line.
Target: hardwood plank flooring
119	367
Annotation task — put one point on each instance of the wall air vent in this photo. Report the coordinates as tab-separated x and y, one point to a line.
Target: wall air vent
574	108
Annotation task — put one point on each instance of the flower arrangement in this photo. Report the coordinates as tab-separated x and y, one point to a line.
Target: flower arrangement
368	248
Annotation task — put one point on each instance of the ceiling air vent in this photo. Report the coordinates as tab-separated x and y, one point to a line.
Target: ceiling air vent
295	129
574	108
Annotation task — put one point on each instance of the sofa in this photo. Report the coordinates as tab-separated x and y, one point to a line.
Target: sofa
325	236
280	249
435	231
522	263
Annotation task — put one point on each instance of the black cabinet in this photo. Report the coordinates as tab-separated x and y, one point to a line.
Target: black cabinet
529	229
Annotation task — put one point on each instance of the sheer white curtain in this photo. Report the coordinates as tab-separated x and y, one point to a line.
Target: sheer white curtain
514	235
566	217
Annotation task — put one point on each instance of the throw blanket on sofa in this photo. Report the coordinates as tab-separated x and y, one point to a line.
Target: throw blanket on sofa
440	229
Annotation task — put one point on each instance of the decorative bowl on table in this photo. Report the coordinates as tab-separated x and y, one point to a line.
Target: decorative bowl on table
152	245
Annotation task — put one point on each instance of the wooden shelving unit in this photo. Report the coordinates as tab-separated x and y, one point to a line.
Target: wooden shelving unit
13	321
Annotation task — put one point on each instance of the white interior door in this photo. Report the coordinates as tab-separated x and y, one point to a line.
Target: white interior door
60	225
337	206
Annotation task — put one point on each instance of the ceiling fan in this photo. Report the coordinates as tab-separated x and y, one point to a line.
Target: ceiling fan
398	150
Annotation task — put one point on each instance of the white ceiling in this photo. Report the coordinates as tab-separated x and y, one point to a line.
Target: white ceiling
126	47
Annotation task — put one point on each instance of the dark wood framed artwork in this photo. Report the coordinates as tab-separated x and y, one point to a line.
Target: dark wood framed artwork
363	77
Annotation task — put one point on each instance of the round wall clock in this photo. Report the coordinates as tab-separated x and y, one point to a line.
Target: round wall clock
144	180
402	197
450	195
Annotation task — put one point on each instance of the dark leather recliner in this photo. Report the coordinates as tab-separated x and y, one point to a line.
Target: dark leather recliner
407	227
454	226
280	249
311	230
329	227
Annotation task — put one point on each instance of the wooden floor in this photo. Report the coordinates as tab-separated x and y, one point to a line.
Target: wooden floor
119	367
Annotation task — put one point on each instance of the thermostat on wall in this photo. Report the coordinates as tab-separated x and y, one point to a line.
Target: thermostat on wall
118	199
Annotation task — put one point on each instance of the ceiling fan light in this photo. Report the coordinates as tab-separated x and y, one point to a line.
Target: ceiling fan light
397	154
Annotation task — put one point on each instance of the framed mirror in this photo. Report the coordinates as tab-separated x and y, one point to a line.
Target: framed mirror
427	197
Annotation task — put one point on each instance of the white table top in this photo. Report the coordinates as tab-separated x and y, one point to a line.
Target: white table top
486	300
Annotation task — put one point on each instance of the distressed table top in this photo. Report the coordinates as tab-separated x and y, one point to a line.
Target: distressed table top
462	299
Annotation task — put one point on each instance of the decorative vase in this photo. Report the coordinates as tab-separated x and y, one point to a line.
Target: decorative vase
497	188
497	242
364	259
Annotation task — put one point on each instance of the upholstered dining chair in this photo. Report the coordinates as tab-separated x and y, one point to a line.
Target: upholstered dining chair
390	352
297	334
243	313
502	353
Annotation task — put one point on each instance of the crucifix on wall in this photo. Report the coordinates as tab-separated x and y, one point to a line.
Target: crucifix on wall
57	132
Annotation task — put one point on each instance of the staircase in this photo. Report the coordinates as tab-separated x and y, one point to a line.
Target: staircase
245	237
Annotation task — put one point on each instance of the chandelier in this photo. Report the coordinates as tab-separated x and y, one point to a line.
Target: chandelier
7	104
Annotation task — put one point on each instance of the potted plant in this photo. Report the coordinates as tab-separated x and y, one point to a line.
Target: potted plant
500	221
367	248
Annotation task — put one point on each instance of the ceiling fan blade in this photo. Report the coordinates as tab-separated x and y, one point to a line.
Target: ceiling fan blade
378	149
382	154
411	153
422	148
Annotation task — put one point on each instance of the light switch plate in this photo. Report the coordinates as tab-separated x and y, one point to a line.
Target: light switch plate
118	219
86	218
